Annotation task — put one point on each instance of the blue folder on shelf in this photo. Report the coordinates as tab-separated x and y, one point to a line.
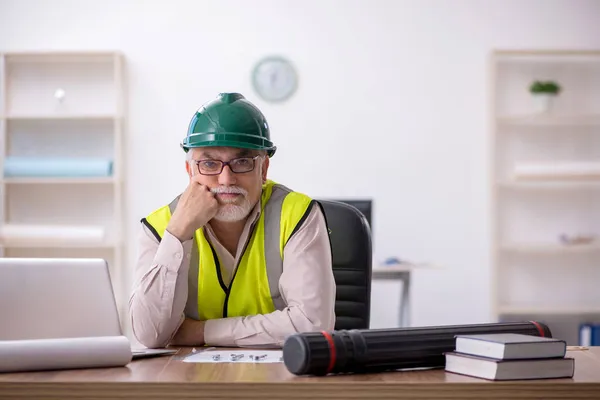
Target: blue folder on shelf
66	167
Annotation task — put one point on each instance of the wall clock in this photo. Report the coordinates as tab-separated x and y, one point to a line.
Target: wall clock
274	79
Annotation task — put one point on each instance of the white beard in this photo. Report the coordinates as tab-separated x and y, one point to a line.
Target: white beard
233	212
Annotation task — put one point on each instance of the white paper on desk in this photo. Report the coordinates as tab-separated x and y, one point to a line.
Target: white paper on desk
71	353
220	356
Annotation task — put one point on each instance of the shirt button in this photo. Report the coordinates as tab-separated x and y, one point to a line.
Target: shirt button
188	256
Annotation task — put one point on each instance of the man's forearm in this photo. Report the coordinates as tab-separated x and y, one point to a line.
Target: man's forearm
160	292
264	330
190	333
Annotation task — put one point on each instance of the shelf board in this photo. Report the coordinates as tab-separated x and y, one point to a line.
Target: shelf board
58	181
60	56
550	120
524	310
551	248
73	245
562	56
551	184
59	117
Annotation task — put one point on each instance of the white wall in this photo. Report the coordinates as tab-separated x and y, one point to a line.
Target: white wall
399	86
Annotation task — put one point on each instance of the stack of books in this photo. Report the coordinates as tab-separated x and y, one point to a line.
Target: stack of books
509	356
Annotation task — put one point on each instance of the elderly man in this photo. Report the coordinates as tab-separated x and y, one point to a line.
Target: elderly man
236	259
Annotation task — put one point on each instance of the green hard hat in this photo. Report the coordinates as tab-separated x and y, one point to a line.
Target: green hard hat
229	121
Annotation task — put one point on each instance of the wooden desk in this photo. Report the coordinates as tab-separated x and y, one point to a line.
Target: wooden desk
170	378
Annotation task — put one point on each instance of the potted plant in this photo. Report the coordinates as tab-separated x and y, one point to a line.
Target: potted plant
544	93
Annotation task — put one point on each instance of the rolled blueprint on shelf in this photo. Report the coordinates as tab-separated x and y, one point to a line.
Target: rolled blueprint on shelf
69	353
51	234
36	167
557	170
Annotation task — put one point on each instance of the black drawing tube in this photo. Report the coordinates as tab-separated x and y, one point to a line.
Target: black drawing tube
377	350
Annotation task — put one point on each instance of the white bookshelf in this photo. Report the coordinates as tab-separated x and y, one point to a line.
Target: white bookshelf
556	185
60	180
549	248
74	211
535	275
574	311
550	120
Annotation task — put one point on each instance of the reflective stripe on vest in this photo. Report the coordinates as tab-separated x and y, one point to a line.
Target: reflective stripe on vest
254	287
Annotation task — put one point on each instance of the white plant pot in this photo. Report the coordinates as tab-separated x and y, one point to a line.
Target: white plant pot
543	102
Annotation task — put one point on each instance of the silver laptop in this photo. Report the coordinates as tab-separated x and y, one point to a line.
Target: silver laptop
51	298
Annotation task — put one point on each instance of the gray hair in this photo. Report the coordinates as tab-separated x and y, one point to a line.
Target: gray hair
188	155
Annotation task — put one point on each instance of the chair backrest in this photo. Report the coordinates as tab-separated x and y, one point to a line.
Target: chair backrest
352	263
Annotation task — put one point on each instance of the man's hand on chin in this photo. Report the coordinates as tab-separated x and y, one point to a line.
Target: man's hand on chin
190	333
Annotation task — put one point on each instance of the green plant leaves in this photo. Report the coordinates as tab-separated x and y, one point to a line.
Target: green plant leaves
549	87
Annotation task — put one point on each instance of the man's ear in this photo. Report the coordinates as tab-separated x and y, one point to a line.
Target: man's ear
265	167
188	169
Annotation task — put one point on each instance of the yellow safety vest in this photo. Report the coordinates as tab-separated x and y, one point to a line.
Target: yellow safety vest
254	288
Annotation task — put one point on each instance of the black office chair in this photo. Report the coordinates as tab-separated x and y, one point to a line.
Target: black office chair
352	262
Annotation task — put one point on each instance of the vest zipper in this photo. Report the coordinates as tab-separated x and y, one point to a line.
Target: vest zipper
218	266
237	265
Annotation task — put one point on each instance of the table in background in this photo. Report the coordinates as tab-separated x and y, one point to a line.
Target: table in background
401	272
170	378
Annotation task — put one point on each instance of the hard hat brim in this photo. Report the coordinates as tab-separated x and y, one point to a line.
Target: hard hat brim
229	139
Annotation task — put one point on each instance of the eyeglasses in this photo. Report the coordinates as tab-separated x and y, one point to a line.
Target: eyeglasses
237	165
